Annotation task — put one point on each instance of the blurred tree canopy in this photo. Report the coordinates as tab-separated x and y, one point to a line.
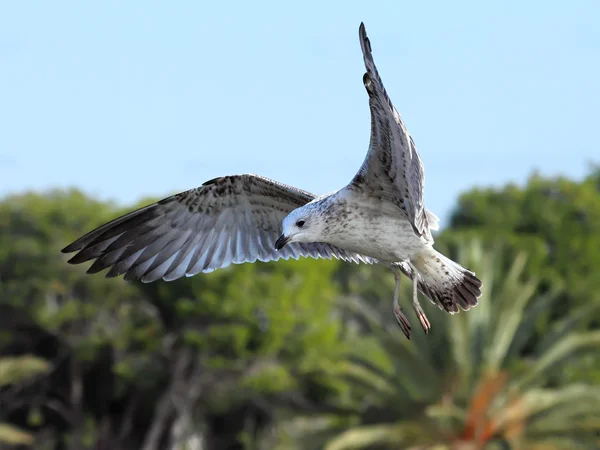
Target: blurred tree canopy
556	219
473	383
297	354
242	341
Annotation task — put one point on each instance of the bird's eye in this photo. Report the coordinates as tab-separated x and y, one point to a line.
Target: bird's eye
300	223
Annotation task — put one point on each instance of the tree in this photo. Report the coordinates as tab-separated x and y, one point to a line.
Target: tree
299	354
556	220
466	385
148	366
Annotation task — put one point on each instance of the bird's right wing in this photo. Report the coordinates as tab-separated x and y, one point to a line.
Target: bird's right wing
232	219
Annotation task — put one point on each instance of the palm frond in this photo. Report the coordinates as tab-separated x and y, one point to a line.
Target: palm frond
469	375
401	434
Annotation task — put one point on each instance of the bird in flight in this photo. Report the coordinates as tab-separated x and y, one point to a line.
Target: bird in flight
379	217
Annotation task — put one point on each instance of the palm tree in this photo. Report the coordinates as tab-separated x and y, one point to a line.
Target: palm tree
481	380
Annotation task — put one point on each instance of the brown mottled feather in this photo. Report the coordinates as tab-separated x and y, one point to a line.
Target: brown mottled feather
232	219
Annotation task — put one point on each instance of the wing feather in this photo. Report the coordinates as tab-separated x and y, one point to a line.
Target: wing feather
228	220
392	167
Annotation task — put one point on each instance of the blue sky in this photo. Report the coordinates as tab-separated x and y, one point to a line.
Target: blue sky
133	99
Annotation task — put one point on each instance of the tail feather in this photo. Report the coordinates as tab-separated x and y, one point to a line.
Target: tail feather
446	283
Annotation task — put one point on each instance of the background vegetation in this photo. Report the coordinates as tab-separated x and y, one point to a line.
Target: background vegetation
306	354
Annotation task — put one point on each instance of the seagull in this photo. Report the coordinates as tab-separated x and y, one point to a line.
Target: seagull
378	218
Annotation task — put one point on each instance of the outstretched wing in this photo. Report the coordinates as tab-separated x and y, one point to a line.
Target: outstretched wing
392	168
232	219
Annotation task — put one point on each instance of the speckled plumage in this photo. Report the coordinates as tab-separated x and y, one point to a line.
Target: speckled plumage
379	217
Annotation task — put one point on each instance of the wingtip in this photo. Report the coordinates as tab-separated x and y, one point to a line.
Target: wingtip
362	31
75	259
70	248
365	43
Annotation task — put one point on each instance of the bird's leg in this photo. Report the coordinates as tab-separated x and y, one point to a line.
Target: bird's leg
400	317
416	305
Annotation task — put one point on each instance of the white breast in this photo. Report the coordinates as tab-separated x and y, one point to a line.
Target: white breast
376	229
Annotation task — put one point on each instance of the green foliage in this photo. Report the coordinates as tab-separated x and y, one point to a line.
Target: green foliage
260	331
560	219
13	436
468	381
15	370
20	368
306	354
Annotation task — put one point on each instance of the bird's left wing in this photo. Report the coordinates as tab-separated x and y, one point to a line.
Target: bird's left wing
392	168
232	219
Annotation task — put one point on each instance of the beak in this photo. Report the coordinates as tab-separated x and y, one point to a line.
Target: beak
280	243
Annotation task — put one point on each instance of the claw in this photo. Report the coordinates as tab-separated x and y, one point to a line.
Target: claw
424	321
402	321
417	306
400	317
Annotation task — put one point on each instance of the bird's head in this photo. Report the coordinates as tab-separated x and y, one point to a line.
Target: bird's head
304	224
